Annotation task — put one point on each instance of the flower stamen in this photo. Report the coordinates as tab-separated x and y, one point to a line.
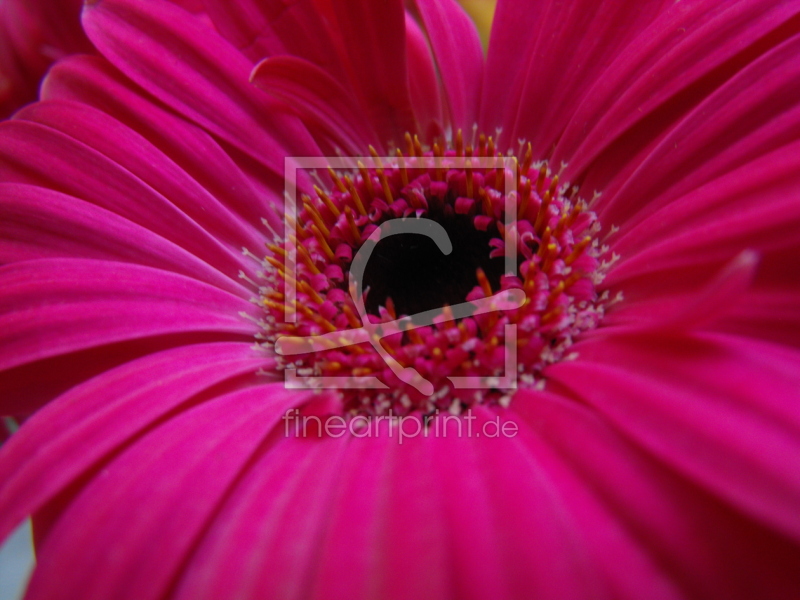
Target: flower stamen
465	189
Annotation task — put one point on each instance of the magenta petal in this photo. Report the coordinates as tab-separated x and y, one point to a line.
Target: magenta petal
130	553
262	29
651	532
56	306
688	309
36	154
459	58
181	61
673	254
135	154
39	223
75	432
319	99
354	505
545	56
264	536
423	81
377	58
768	313
720	410
33	35
94	82
755	112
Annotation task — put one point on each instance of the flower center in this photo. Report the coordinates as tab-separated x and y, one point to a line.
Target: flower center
433	280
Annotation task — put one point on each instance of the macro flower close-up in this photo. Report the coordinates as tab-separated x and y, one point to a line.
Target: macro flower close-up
338	299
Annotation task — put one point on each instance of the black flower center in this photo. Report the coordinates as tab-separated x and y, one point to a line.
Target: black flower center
417	276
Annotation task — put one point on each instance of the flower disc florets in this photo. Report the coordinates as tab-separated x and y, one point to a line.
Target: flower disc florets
493	208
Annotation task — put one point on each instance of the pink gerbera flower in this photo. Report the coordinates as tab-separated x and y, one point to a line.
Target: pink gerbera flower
642	161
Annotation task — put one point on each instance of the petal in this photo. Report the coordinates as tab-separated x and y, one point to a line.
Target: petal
544	57
135	154
651	532
721	411
754	113
377	58
39	223
458	55
176	57
668	69
36	154
57	306
423	83
78	431
319	99
33	35
180	470
372	517
263	538
93	81
262	29
357	42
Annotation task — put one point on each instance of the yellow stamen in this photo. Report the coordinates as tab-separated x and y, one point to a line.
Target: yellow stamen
526	163
337	181
577	250
328	202
352	223
417	146
315	216
351	317
544	215
306	287
401	165
525	197
483	282
355	197
365	176
540	179
410	146
323	243
387	192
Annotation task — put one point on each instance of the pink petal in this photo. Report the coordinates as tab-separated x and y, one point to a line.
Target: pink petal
263	29
665	71
74	433
319	99
545	56
457	51
135	154
36	154
181	61
651	532
377	59
57	306
182	470
719	410
768	313
39	223
423	83
264	536
92	81
754	113
33	35
688	309
369	517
